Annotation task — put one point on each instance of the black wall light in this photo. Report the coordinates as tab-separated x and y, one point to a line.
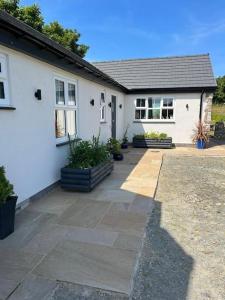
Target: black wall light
110	104
37	94
120	106
92	102
187	106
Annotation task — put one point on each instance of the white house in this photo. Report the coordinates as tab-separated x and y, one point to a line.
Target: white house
47	91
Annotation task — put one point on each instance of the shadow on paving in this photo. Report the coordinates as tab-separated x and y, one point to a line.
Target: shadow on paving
164	268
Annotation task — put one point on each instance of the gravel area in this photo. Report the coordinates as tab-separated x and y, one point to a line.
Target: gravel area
184	250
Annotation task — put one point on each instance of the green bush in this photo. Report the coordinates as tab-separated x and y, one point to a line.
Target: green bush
6	189
87	154
151	135
113	146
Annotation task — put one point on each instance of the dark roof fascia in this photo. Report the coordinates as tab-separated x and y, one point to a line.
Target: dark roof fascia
173	90
21	37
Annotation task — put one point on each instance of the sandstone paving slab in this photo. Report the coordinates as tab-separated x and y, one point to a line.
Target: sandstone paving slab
127	241
93	265
14	266
7	286
34	288
109	195
142	204
55	202
93	236
84	213
66	291
123	221
27	230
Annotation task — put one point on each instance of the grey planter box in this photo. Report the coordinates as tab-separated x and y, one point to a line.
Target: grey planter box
153	143
84	180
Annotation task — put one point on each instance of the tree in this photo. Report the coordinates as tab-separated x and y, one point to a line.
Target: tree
219	95
32	16
10	6
66	37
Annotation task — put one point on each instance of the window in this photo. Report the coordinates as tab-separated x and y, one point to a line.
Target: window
4	93
102	107
66	108
154	108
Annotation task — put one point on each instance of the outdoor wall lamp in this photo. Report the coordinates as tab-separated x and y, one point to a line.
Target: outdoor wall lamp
187	106
110	104
92	102
120	106
37	94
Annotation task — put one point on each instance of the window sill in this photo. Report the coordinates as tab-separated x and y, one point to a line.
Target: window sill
7	107
59	144
154	121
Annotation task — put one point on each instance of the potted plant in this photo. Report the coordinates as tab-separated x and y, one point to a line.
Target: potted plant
89	163
200	137
115	149
152	140
124	144
7	206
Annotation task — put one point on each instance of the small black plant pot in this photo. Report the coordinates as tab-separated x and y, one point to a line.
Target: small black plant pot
117	156
124	146
7	217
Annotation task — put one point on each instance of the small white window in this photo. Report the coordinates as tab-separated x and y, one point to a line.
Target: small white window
4	90
66	109
102	107
140	112
154	108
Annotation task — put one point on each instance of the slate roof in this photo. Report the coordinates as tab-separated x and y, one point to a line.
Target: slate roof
161	73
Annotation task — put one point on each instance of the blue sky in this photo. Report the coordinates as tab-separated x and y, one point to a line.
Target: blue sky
120	29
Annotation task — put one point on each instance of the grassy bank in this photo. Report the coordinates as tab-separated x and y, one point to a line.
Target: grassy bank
218	113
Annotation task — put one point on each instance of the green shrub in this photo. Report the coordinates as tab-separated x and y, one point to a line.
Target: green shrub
151	135
6	189
113	146
87	154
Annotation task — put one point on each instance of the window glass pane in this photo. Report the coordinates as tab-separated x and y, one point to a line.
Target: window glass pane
71	94
167	113
60	92
103	113
156	103
170	113
2	90
60	125
102	97
71	122
150	102
140	114
164	113
140	103
154	114
167	102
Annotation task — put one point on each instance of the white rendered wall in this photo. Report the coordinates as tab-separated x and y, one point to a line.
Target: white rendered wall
181	129
27	135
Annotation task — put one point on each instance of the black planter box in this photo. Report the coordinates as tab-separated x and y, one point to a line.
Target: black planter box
153	143
7	217
84	180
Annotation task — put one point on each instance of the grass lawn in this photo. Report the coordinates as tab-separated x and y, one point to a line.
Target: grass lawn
218	113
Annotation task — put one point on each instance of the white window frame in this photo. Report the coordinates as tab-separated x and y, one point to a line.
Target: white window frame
102	107
4	79
66	107
146	109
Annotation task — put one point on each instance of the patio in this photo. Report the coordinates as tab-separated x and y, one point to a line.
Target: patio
92	239
88	240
